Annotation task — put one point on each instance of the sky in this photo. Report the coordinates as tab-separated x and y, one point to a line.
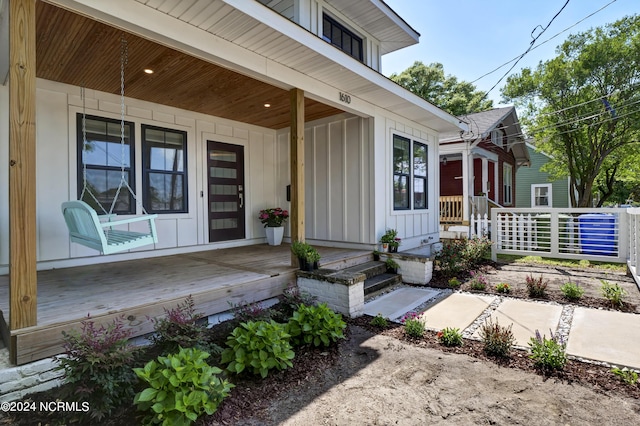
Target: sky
473	37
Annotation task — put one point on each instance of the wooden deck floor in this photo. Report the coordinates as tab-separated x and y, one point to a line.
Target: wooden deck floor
142	289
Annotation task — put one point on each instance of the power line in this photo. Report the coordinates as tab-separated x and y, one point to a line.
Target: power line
546	41
529	48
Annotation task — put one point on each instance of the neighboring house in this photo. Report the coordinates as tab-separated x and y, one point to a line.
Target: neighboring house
250	104
535	189
480	164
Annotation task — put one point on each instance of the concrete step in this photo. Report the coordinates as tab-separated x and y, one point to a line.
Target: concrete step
378	282
370	269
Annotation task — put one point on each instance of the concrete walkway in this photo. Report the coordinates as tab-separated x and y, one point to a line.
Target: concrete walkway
592	334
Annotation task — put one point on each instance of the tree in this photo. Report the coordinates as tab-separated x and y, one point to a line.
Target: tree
583	107
430	83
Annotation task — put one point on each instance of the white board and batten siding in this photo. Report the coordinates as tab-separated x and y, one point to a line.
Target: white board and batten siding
56	180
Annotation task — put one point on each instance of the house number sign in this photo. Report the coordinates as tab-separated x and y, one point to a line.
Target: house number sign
345	98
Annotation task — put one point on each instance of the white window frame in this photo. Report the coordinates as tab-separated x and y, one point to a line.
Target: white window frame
535	186
497	137
507	184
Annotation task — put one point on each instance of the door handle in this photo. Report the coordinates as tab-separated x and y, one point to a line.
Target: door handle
241	196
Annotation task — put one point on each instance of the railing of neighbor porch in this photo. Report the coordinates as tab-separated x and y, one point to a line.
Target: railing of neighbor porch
634	243
479	225
593	234
451	209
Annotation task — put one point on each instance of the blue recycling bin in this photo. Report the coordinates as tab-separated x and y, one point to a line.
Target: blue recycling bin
598	234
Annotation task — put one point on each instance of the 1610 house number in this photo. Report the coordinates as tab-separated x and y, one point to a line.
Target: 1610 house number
345	98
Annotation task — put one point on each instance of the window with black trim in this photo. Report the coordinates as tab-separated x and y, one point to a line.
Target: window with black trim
338	35
104	156
164	162
409	174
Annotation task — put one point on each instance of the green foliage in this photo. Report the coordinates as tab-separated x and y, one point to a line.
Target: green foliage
613	293
548	354
257	347
503	288
391	264
478	281
450	337
389	236
97	363
245	311
430	83
413	327
458	255
497	340
305	251
180	327
580	107
630	377
537	287
379	321
572	291
454	282
182	387
315	325
292	298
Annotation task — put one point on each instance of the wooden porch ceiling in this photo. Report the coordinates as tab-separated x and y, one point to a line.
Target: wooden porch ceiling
76	50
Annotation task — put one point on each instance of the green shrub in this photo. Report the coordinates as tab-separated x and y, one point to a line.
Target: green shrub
315	325
478	281
180	327
454	282
182	387
258	346
630	377
450	337
292	298
98	364
497	340
245	311
613	293
379	321
503	288
572	291
548	354
413	327
450	260
476	250
392	265
537	287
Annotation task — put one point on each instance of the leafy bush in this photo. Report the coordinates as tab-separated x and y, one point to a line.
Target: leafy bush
379	321
497	340
258	346
454	282
476	250
450	259
317	325
182	387
613	293
478	281
180	327
537	287
503	288
392	265
292	298
450	337
98	363
630	377
413	327
548	354
245	312
572	291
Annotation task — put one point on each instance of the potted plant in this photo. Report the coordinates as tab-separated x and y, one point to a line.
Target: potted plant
273	220
308	256
311	257
393	246
389	239
376	255
392	266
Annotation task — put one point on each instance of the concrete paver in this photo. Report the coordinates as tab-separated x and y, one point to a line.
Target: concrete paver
400	301
456	311
526	317
608	336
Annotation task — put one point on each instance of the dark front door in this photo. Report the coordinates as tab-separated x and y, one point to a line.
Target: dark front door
226	191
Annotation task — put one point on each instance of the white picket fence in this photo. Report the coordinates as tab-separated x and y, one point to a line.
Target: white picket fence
634	243
594	234
479	225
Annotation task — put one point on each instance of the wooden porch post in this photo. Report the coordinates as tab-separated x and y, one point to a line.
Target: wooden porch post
22	166
297	168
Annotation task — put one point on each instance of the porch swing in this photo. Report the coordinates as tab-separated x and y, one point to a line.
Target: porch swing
99	232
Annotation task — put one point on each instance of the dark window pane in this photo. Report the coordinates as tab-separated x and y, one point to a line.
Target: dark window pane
165	191
400	155
400	192
336	34
419	159
419	193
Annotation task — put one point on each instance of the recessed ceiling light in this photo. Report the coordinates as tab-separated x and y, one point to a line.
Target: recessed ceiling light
267	105
148	70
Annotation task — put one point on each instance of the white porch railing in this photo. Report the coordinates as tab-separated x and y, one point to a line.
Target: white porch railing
634	243
479	225
594	234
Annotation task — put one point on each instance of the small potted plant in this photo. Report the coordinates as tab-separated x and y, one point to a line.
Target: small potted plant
273	220
389	239
393	246
311	257
308	256
376	255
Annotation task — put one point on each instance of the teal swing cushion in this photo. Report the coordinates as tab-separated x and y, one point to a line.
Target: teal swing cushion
97	232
